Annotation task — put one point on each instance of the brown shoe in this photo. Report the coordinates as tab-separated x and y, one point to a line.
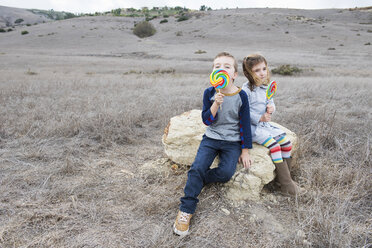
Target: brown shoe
182	223
287	185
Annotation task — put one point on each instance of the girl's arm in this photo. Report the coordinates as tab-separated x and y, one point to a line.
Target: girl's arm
270	108
254	117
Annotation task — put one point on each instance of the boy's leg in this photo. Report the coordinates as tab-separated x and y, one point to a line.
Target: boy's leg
195	181
229	154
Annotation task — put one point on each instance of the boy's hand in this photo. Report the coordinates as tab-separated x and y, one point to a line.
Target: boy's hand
218	98
269	109
245	159
265	117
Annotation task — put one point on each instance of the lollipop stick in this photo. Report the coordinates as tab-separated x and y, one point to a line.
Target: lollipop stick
221	103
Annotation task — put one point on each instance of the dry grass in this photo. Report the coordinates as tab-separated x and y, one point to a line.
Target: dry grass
72	150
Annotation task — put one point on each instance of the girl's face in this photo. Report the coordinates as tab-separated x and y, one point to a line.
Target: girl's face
260	71
227	64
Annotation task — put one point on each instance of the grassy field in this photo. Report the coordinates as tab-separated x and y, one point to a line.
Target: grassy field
72	149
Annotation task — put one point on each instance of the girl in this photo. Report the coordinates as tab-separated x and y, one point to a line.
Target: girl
257	73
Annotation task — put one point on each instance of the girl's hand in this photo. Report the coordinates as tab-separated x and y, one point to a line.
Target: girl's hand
269	109
218	98
265	117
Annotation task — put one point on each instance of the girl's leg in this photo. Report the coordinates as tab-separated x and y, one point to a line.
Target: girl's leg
207	151
285	145
229	153
274	147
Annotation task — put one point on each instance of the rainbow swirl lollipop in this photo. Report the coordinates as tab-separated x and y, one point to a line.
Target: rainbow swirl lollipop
270	92
219	79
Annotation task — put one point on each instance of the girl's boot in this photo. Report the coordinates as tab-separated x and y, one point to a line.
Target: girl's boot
287	185
289	163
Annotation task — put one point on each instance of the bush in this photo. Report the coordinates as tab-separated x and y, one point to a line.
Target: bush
183	18
10	30
164	21
2	30
286	70
19	21
149	18
24	32
200	51
144	29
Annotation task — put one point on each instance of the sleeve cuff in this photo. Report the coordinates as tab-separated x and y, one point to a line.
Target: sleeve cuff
210	120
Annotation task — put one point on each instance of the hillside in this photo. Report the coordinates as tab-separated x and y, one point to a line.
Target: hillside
319	37
11	17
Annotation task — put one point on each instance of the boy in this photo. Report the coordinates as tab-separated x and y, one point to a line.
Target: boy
228	135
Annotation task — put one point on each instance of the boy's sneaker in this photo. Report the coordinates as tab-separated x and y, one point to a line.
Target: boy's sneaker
182	223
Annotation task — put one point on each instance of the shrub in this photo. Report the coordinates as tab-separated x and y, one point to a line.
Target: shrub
149	18
116	12
28	24
164	21
24	32
10	30
144	29
183	18
286	70
29	72
18	21
165	16
2	30
200	51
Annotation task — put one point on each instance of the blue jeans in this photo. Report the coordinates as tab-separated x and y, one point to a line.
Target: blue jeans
200	173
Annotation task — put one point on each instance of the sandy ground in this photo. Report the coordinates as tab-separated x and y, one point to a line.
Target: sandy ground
84	105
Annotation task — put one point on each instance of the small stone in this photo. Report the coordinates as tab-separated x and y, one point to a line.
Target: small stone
301	234
225	211
307	243
268	207
253	218
174	167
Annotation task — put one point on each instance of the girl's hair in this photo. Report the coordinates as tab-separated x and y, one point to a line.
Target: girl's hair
226	54
248	63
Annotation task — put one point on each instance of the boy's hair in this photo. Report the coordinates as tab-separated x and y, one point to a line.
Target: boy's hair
248	63
226	54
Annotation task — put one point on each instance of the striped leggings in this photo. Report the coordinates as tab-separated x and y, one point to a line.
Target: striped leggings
280	147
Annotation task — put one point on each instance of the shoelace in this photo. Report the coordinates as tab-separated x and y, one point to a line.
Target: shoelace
184	217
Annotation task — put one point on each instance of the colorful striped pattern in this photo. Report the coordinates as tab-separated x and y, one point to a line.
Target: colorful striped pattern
286	146
275	150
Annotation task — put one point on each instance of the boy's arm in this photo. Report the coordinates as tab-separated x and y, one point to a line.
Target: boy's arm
245	124
207	115
245	131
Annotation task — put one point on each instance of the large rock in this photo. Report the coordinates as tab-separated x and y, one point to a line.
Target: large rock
181	140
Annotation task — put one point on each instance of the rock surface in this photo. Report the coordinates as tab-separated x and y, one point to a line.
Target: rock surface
181	140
